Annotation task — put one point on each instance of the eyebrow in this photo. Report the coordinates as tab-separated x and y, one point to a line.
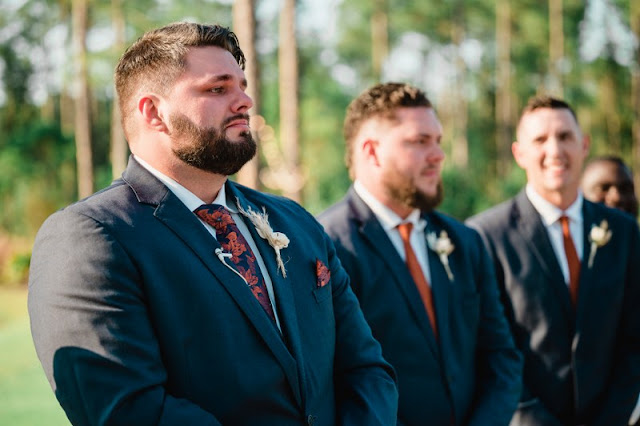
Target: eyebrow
224	78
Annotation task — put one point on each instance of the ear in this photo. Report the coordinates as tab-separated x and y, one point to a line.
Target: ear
516	150
586	144
148	107
370	151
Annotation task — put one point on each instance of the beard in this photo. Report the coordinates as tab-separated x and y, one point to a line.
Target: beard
207	148
404	190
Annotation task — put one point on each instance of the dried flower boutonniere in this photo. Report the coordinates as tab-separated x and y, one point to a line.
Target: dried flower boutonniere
599	236
443	247
277	240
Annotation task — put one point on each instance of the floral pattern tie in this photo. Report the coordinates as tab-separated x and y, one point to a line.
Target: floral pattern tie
242	256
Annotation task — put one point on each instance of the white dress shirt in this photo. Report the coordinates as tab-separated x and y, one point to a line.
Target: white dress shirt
390	221
192	202
550	215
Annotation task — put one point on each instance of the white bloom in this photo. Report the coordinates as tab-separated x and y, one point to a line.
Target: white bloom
598	236
277	240
443	247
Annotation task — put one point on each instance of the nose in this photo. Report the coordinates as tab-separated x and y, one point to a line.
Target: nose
612	197
552	147
437	154
242	103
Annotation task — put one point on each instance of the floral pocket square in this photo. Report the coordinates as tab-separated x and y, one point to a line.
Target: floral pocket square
323	274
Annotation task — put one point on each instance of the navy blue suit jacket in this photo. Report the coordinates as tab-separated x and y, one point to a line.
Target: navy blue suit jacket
137	322
581	366
473	373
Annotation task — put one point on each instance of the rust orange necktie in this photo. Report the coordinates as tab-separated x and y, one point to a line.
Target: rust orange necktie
418	276
572	259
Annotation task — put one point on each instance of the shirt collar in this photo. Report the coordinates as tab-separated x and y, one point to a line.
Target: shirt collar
550	213
187	197
387	217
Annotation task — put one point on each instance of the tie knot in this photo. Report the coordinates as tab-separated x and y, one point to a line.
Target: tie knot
564	222
405	231
215	215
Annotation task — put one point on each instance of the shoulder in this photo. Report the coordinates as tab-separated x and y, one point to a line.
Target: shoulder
461	234
616	219
102	206
495	218
337	218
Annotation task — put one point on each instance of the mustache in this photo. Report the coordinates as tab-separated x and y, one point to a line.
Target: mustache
235	117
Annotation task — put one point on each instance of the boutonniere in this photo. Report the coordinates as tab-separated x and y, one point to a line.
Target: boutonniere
277	240
443	247
599	236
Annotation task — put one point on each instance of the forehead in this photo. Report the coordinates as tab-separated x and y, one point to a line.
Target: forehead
210	61
423	119
545	120
606	171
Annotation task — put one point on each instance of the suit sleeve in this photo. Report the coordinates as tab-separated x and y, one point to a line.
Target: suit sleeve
365	386
623	390
92	333
499	364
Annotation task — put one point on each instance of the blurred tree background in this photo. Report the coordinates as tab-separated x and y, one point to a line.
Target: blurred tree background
479	61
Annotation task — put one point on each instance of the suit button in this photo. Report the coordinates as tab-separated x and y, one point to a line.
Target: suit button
311	420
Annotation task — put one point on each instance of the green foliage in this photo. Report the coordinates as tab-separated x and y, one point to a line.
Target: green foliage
27	398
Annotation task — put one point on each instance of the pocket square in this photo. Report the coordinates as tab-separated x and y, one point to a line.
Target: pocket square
323	274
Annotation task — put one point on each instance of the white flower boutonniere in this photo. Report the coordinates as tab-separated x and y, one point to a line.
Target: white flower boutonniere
443	247
277	240
599	236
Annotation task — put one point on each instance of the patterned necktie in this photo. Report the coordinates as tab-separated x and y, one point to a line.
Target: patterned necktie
233	242
572	259
418	276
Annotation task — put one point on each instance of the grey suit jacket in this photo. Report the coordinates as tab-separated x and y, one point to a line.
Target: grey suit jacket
472	374
582	366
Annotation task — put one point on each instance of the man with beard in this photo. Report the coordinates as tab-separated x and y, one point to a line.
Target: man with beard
175	296
424	280
569	274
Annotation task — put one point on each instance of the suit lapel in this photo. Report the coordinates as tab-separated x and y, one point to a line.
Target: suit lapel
441	285
175	215
536	238
372	232
285	301
587	275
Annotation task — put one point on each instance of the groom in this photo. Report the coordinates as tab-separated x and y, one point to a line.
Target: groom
176	297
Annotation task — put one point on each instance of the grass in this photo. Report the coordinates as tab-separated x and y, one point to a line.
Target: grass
26	399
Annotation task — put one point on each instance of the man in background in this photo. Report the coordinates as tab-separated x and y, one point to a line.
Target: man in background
424	280
177	297
608	180
569	275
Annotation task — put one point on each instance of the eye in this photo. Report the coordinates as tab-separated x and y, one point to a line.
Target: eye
217	89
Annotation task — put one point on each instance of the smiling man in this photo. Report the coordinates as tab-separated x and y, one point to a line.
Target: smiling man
177	297
424	280
569	275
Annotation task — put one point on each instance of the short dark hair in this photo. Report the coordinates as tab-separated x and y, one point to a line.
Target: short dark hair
610	159
157	58
544	101
381	100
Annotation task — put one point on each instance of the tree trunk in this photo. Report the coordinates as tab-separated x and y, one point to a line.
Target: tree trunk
634	19
84	160
504	108
289	132
609	110
556	48
244	25
460	146
379	37
119	150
